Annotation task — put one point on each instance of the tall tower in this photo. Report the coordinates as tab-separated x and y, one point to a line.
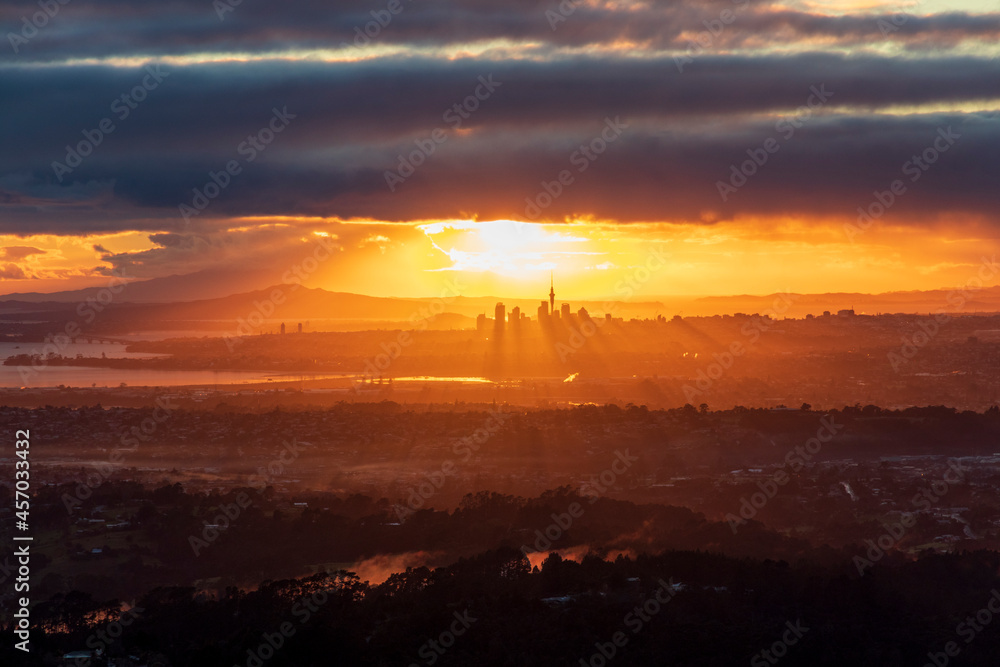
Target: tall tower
552	294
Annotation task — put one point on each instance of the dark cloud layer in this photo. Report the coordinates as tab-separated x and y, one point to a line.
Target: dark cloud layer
156	132
112	28
196	108
352	121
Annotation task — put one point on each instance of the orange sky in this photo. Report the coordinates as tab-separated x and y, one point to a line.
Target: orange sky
431	150
589	258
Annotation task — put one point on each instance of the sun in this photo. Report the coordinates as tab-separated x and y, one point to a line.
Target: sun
508	247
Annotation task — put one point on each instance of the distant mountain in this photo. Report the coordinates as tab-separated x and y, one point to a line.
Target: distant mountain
222	296
208	284
303	303
986	299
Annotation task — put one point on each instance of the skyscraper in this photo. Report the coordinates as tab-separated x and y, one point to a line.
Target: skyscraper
552	294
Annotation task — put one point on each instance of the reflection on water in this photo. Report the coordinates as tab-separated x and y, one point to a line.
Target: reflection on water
88	376
85	376
433	378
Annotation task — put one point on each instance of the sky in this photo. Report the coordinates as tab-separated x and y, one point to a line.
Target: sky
498	141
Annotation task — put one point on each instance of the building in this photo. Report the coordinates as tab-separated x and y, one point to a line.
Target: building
515	317
500	316
565	311
481	322
543	312
282	327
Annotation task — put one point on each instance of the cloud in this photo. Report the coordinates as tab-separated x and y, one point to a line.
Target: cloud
360	113
19	252
109	28
11	271
270	247
354	122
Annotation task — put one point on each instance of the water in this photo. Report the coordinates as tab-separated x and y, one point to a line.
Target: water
87	376
435	378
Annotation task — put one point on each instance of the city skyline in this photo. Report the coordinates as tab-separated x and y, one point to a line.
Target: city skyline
282	386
